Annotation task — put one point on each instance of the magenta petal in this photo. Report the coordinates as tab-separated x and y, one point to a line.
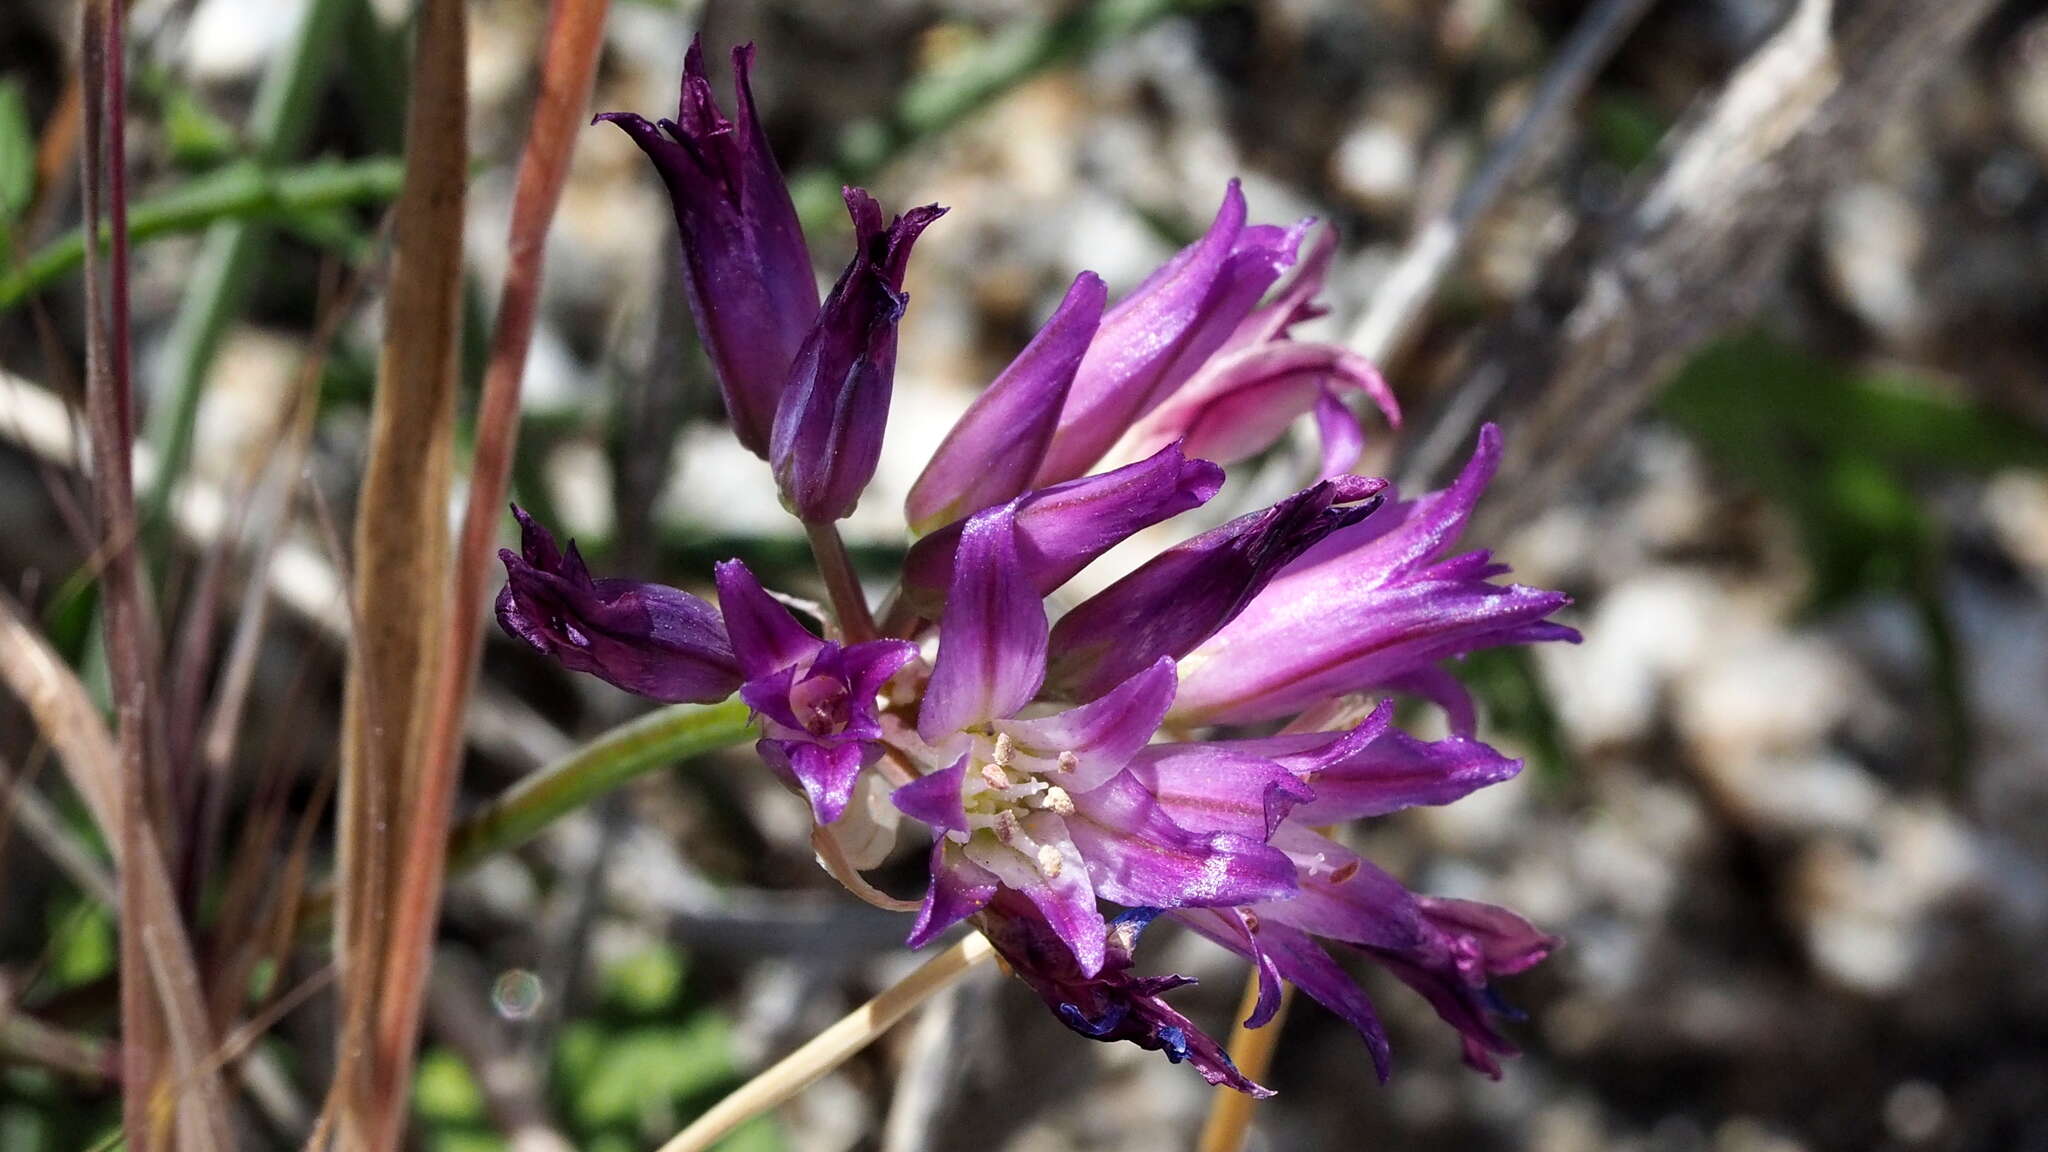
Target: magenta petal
1139	857
765	635
935	799
1162	333
826	773
869	665
648	639
994	450
1244	401
1268	1003
1413	533
991	658
1064	528
1302	962
1343	437
1185	594
1102	734
1491	941
747	272
1343	896
1323	637
828	428
1447	692
1374	605
1399	771
1064	895
1217	788
1294	301
1463	945
959	889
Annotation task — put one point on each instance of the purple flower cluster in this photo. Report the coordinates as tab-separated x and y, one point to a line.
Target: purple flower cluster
1182	742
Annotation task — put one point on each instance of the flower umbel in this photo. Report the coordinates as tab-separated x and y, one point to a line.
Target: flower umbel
1189	741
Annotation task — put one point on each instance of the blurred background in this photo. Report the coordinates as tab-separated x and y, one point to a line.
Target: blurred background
1758	290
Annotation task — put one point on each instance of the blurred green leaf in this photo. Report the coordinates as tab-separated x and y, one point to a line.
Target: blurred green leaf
640	1077
1839	449
443	1089
236	192
17	155
1626	129
197	138
1845	453
81	943
647	982
1511	692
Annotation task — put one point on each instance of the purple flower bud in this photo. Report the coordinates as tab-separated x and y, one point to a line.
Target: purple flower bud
1464	945
648	639
1111	1003
1377	605
1160	335
1181	597
828	424
815	699
749	276
1064	528
995	449
1242	402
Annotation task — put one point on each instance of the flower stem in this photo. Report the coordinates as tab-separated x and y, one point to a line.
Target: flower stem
832	1047
633	749
656	740
1251	1049
842	585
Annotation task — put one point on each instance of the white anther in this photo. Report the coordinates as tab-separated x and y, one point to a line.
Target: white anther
993	776
1057	801
1069	762
1050	861
1006	827
1006	749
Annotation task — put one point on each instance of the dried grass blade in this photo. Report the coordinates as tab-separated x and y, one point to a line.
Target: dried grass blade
569	64
144	1030
401	569
65	715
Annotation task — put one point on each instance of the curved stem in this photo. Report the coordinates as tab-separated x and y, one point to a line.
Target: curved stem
634	749
832	1047
631	750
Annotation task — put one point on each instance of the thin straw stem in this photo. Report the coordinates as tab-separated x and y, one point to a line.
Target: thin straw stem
832	1047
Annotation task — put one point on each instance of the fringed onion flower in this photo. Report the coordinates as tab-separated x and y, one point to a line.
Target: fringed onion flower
1189	741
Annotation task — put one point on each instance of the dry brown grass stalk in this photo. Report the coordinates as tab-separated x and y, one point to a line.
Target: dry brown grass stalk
401	578
568	66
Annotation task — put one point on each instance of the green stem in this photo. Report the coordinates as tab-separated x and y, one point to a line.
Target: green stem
631	750
238	191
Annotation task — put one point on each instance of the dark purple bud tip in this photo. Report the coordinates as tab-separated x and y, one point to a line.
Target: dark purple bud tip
745	265
828	424
1185	594
648	639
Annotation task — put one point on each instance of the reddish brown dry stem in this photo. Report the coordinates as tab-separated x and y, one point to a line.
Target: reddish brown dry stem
569	64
